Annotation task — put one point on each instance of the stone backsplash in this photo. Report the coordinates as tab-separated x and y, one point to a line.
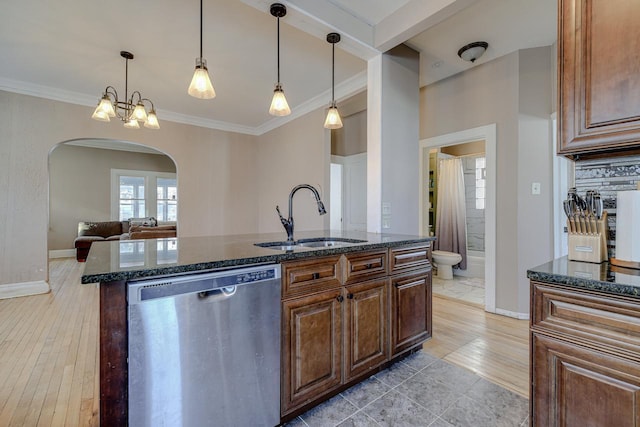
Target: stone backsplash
608	176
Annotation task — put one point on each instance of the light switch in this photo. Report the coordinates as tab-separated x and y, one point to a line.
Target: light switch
535	188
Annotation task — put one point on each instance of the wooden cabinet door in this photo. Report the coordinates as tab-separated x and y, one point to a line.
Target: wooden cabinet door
410	310
366	330
574	386
311	347
598	75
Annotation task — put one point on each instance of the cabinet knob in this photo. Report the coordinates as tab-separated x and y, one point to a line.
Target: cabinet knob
340	298
350	296
315	276
396	285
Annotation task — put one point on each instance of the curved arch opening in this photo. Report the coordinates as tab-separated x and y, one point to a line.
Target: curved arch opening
107	181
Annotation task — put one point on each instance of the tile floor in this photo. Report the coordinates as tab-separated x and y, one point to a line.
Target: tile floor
421	390
467	289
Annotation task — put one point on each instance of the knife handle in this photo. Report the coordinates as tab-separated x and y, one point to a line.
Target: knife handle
572	225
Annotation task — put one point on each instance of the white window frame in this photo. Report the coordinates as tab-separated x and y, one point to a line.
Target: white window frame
150	190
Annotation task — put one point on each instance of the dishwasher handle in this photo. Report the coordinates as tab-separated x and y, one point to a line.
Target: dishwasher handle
219	294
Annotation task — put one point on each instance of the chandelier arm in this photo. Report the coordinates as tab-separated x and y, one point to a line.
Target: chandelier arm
110	90
149	101
132	95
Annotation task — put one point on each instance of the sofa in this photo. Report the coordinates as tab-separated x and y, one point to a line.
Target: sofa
89	232
134	228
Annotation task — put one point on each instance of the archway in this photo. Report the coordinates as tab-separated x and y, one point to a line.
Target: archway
82	187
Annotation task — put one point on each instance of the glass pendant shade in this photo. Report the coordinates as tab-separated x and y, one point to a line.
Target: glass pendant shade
139	113
279	104
333	120
152	120
105	106
100	115
201	86
132	124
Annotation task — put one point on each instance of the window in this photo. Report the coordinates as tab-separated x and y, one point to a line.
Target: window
138	194
167	198
481	181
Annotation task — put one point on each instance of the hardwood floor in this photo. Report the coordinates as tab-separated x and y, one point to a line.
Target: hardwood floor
495	347
49	353
49	350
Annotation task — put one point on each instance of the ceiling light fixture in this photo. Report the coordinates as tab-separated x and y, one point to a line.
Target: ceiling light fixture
333	120
279	105
130	111
201	86
473	51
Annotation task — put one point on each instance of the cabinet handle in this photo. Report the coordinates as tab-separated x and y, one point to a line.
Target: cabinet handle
350	296
340	298
315	276
369	266
396	285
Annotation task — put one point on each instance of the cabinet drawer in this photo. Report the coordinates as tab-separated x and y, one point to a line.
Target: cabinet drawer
305	277
610	321
409	258
364	266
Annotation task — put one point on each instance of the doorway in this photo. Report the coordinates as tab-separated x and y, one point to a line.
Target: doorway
81	186
488	135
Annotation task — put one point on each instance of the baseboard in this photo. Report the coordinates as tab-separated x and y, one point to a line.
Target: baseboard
62	253
514	314
14	290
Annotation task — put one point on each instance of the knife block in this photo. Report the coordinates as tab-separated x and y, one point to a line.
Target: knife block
589	247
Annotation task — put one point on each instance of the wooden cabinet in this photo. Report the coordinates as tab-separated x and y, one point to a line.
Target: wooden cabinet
410	310
337	319
366	326
585	358
311	347
598	76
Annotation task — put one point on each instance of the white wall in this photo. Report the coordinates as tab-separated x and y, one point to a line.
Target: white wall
490	93
535	164
400	139
296	153
217	176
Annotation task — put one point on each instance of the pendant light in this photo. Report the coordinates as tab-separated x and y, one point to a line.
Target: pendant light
201	86
333	120
279	105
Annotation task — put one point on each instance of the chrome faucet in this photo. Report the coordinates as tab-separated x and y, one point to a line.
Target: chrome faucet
288	223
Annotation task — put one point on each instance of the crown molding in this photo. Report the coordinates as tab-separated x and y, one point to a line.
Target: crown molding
347	88
55	94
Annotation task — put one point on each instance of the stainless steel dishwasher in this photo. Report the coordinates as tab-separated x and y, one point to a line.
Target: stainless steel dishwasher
204	349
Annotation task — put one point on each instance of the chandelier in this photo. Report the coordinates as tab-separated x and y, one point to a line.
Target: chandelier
132	110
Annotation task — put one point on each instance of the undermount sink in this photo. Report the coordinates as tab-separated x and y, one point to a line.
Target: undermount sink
316	242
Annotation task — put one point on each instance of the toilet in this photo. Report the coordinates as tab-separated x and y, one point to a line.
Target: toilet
445	261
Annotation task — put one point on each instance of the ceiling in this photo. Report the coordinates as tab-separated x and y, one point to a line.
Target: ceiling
69	50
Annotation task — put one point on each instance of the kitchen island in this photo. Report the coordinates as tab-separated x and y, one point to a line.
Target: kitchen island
584	344
364	302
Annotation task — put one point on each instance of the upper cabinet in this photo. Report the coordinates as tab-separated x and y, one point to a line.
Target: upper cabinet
599	76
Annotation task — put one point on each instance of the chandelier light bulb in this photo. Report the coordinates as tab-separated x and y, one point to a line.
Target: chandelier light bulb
279	104
152	120
132	124
201	86
139	113
105	106
101	116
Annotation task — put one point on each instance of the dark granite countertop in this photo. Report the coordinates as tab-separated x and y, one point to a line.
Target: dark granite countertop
131	259
584	275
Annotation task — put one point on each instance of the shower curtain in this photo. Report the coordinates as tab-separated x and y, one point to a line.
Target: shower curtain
451	218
